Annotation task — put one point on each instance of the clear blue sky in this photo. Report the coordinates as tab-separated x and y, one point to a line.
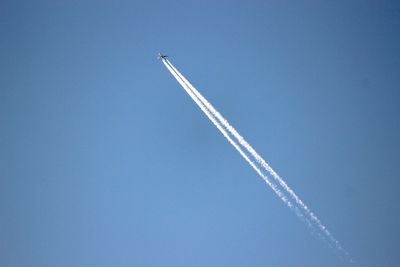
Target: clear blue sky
105	161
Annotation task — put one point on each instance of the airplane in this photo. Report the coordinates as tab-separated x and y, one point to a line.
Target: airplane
160	56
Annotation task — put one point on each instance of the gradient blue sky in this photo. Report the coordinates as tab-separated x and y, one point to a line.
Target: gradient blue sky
105	161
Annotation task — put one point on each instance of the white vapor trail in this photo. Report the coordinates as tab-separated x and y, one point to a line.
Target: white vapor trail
212	113
257	157
226	135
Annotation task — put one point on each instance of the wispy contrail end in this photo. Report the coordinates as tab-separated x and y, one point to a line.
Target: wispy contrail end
213	114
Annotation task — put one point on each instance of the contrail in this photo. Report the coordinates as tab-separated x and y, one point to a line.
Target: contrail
252	151
246	145
233	143
207	108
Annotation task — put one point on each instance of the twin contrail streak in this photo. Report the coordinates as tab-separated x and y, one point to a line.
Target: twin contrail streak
255	155
301	210
226	135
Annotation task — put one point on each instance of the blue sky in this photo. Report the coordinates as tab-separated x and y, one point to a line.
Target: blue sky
105	161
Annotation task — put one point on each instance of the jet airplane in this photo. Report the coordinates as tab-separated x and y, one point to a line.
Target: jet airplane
161	56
